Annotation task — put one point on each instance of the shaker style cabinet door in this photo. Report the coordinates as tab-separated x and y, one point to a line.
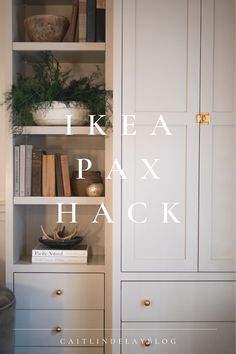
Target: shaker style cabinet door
161	71
218	139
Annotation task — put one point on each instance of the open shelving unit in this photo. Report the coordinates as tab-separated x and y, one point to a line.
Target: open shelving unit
25	214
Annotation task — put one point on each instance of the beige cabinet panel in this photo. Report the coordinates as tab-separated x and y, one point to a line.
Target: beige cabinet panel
78	328
40	291
178	301
179	338
56	350
161	42
218	139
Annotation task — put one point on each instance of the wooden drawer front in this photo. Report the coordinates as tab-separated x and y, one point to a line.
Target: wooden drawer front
178	301
179	338
79	328
39	291
57	350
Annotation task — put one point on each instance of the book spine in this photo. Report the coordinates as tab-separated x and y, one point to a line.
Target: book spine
59	253
44	177
28	169
36	184
82	20
65	175
22	170
49	178
17	172
81	260
91	20
59	181
100	20
70	36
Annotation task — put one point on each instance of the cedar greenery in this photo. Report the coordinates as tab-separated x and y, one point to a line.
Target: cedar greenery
49	83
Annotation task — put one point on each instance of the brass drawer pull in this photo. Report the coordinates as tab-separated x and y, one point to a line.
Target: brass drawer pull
58	329
147	343
147	302
59	292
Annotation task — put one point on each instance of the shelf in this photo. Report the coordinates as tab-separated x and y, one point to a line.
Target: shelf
46	2
95	264
58	130
63	51
56	200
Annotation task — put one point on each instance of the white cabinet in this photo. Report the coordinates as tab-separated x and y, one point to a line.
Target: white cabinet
178	301
178	59
161	44
217	141
179	338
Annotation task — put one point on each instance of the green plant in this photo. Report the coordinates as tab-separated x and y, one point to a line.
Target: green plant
50	83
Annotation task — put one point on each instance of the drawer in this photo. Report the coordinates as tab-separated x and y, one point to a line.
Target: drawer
76	291
56	350
178	301
178	338
77	328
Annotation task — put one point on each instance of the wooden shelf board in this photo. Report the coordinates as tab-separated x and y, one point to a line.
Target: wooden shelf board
60	46
64	52
56	200
58	130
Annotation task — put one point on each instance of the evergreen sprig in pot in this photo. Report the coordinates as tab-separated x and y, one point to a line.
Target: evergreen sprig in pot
49	94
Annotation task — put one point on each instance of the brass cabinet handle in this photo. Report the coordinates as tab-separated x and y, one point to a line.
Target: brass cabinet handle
147	302
203	118
58	329
147	343
58	291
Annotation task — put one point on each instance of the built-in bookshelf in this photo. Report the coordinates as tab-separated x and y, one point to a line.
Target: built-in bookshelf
25	214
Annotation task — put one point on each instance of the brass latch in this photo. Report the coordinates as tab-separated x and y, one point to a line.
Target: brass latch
203	118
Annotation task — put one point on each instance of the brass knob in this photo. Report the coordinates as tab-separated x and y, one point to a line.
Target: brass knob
147	302
58	329
59	292
147	343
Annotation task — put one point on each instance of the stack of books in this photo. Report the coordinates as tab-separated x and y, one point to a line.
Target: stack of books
40	174
44	254
87	23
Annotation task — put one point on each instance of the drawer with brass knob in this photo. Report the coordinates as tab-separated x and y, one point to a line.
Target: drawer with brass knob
178	338
57	327
178	301
59	291
58	350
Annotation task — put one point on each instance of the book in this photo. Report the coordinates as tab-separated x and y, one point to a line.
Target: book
81	260
22	170
82	20
65	175
100	20
17	171
59	180
44	251
36	182
28	169
49	178
71	33
91	20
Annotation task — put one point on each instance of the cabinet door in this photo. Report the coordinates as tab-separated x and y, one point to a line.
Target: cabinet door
179	338
161	46
218	139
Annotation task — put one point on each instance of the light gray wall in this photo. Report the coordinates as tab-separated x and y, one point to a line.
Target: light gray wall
3	26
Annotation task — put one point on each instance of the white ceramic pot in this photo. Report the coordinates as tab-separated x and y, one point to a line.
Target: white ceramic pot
56	115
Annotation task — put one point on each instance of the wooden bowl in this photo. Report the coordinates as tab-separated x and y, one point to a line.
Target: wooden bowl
46	28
